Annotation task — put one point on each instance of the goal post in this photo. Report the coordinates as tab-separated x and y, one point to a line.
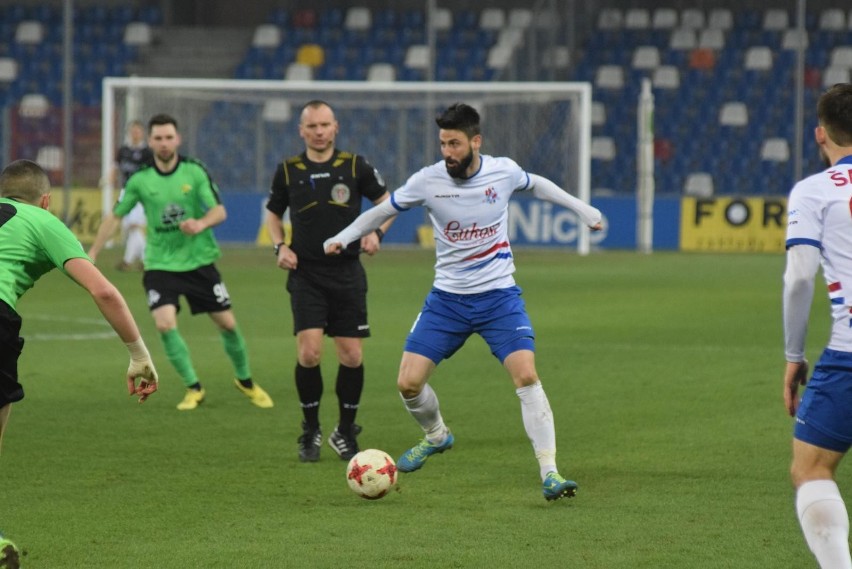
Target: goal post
645	188
242	128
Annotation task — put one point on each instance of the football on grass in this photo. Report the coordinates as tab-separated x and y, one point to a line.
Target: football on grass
371	474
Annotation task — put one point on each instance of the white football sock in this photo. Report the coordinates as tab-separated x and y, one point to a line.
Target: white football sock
135	247
425	410
825	522
538	423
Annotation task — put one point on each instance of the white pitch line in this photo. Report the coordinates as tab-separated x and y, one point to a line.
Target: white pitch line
96	336
75	336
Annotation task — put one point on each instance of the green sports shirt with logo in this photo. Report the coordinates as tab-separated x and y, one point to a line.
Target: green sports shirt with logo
187	192
33	242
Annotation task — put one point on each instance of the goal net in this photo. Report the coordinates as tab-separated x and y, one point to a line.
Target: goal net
242	128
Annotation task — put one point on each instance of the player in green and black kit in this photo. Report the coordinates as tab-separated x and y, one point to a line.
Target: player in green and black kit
323	188
182	205
33	242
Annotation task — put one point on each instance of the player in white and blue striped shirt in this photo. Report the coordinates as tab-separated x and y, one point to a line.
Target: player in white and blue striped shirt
467	196
819	231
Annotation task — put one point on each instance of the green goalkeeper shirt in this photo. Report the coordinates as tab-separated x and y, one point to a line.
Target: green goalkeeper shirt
33	241
187	192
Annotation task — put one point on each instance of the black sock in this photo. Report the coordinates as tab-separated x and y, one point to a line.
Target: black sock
247	383
196	386
350	384
309	387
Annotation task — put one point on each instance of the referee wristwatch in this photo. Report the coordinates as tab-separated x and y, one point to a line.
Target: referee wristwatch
277	247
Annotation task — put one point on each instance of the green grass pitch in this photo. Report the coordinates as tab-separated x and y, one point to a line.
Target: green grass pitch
664	372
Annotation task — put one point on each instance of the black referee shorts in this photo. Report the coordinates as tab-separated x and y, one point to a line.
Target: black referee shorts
11	345
203	289
330	296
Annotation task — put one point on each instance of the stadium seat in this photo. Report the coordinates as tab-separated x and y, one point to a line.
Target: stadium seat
664	19
499	56
358	18
792	39
603	148
598	113
381	72
682	39
775	150
637	19
492	19
733	113
50	157
442	19
776	19
266	36
299	72
417	57
692	18
609	77
8	69
33	105
841	57
557	57
758	58
137	34
702	59
835	75
310	54
698	185
832	20
29	32
305	18
385	19
720	19
711	38
646	57
610	19
666	77
547	19
510	37
520	18
277	110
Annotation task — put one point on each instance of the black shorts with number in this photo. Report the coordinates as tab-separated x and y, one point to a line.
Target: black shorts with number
203	289
11	345
330	296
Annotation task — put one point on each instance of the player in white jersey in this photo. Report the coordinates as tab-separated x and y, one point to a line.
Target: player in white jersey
467	197
819	231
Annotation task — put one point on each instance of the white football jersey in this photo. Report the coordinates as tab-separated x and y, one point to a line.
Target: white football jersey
819	214
469	218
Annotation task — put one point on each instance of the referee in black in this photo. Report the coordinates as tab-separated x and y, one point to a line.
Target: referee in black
323	188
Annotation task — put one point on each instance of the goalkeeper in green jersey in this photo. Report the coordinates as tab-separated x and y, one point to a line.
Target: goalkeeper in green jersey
32	242
182	205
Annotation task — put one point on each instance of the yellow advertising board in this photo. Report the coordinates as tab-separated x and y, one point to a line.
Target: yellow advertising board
84	211
732	224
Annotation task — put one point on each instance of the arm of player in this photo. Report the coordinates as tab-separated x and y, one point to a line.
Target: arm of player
214	216
546	190
365	223
802	267
114	308
108	226
371	242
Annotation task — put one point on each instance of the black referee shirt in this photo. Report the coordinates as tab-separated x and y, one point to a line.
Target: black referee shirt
323	199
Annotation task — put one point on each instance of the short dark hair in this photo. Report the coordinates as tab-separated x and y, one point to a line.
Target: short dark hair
316	103
460	117
24	180
160	120
834	111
